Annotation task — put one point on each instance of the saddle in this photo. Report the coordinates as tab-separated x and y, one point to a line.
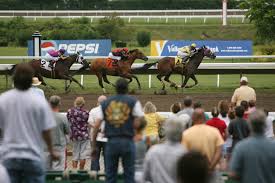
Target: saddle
112	62
47	65
178	62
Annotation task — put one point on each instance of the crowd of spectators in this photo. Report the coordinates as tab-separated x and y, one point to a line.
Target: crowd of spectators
188	146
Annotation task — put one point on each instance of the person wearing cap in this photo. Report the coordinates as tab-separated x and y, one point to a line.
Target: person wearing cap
53	56
186	52
35	89
244	92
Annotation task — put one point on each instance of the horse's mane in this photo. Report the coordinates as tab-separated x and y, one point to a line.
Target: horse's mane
134	50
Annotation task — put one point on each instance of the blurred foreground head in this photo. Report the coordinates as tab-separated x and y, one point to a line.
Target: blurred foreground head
121	86
198	116
193	168
22	77
257	120
173	129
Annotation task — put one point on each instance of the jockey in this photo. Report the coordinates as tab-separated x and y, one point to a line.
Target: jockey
186	52
53	56
119	54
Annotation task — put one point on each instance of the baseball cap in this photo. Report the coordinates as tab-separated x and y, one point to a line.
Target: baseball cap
244	79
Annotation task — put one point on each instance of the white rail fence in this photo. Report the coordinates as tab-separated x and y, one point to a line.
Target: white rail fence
128	14
205	66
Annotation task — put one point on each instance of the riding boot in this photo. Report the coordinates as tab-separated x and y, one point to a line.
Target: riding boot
184	60
52	64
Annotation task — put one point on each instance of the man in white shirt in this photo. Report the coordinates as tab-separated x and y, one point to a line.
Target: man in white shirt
244	92
26	120
269	133
100	139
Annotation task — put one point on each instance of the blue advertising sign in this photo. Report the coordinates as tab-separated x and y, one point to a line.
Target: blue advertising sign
85	47
221	48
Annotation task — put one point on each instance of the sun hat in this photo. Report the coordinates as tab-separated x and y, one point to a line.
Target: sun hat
244	79
35	81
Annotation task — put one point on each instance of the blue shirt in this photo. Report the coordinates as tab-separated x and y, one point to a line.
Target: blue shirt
253	160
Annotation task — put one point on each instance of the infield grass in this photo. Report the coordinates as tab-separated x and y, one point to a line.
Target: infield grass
207	83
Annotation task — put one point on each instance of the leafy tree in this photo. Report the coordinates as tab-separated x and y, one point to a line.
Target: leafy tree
110	27
262	14
143	38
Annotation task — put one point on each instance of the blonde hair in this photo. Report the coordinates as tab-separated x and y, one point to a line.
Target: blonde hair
79	102
149	107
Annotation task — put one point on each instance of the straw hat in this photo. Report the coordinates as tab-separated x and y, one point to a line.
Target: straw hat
35	81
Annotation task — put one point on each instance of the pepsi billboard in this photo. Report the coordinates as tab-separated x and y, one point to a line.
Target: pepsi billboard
221	48
85	47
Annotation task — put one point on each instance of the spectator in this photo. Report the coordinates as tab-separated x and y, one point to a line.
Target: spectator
187	109
78	119
154	122
269	133
203	138
161	159
252	158
223	107
193	167
252	106
175	108
35	89
185	120
100	139
243	93
225	110
238	127
217	123
25	129
121	114
199	105
245	106
4	176
59	134
141	148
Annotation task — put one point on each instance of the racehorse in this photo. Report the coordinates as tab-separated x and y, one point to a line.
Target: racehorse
166	66
103	67
61	70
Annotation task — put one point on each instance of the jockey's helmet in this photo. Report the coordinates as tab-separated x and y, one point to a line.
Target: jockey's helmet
193	45
125	49
62	50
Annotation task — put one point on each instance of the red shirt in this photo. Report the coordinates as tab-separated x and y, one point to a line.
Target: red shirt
219	124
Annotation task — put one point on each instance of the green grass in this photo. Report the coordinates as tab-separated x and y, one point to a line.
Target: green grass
207	83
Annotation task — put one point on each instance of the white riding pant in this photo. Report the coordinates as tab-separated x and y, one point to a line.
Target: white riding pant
50	58
182	54
114	57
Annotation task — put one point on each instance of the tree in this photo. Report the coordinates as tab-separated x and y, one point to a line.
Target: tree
262	14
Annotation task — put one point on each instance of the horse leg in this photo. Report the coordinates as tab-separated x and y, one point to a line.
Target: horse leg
99	77
105	79
172	84
185	81
159	76
136	78
130	77
67	77
194	79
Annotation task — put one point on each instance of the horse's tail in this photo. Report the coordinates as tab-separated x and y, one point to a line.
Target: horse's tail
148	65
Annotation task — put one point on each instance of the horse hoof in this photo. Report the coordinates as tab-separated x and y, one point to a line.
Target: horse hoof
104	90
161	92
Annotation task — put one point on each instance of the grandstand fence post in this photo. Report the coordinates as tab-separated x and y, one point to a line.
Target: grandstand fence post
150	80
218	81
81	80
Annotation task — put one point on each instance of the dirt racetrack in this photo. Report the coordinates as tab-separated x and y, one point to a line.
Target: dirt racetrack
163	102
